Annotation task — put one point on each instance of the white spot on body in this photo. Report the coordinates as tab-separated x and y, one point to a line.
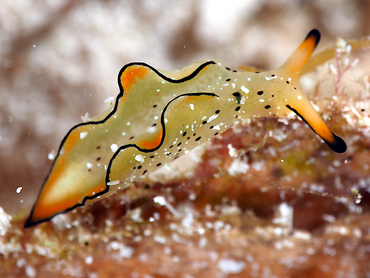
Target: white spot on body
269	78
212	118
89	165
151	129
191	106
83	134
139	158
114	147
113	182
244	89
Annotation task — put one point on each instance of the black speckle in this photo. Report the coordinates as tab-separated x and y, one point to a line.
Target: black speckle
89	170
139	167
204	122
194	134
257	72
260	93
211	127
179	144
145	172
175	157
216	133
132	137
188	138
167	153
152	156
86	243
98	147
171	146
363	110
267	106
235	71
217	111
227	80
273	75
184	134
287	82
236	116
98	158
180	150
198	138
273	96
155	105
134	168
237	108
295	88
153	125
227	68
237	96
159	164
147	185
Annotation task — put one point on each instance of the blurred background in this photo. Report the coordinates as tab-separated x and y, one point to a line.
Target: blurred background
60	59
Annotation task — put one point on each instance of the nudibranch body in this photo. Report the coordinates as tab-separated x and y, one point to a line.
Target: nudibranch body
159	116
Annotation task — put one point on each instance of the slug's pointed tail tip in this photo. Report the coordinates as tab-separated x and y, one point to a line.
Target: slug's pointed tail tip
338	145
29	222
315	34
